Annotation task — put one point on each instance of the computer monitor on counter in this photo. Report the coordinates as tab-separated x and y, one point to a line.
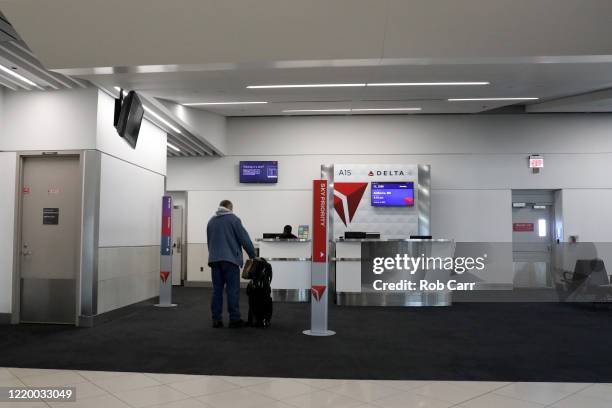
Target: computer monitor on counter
361	235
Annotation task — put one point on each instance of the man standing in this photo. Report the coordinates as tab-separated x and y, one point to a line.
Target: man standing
226	237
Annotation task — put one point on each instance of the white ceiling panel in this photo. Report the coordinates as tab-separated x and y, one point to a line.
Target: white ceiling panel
191	51
544	81
119	33
100	33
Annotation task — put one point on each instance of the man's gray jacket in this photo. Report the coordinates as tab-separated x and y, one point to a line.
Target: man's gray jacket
226	237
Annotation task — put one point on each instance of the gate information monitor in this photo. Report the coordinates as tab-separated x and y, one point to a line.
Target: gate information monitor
258	171
392	194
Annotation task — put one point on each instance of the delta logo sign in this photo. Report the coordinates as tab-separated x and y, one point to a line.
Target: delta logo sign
385	173
163	275
317	291
347	197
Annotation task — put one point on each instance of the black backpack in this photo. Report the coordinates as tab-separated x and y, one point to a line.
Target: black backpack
259	293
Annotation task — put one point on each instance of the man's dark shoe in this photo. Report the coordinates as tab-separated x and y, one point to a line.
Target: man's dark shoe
236	324
217	324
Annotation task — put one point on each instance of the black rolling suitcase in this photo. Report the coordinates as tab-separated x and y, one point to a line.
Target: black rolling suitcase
259	293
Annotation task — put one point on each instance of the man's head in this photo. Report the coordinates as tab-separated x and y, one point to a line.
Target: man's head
227	204
287	229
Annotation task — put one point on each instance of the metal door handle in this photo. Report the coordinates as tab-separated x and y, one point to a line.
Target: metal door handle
25	251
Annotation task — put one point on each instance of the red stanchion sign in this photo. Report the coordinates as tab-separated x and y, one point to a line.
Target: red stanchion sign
319	221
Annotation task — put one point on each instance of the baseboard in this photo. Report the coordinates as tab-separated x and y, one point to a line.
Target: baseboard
91	321
5	318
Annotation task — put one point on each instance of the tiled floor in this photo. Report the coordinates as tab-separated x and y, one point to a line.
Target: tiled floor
114	389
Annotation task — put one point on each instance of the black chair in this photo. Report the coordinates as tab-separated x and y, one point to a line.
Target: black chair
587	272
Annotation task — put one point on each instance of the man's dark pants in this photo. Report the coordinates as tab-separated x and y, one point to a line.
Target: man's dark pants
225	274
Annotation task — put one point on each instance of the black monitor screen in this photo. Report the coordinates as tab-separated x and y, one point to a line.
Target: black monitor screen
130	118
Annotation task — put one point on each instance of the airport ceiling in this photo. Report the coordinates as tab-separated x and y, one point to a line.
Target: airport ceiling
210	51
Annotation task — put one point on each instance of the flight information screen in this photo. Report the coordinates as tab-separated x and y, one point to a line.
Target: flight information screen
258	171
392	194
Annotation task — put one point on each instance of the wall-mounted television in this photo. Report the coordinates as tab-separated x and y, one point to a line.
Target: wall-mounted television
130	117
258	171
392	194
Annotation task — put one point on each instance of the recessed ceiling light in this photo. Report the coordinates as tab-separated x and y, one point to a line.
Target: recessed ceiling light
315	110
18	76
427	83
348	110
305	86
173	147
384	109
490	99
223	103
162	120
367	84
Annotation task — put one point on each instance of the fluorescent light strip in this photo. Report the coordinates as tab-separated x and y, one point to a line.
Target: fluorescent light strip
384	109
315	110
490	99
173	147
223	103
305	86
346	110
367	84
18	76
162	120
427	83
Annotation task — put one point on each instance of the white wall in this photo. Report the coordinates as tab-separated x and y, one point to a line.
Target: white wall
49	120
130	204
131	186
587	213
8	167
476	160
150	151
420	134
260	211
129	233
449	209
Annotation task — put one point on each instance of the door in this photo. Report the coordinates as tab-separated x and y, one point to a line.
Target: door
50	228
532	244
177	245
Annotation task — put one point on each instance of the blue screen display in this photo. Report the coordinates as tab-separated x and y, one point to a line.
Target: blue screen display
258	171
392	194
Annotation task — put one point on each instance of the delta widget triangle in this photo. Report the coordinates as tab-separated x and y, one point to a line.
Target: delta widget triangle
354	193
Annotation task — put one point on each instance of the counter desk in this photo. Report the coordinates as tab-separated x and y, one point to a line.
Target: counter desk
351	288
290	260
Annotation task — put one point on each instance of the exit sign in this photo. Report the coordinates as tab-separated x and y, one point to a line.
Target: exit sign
536	162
